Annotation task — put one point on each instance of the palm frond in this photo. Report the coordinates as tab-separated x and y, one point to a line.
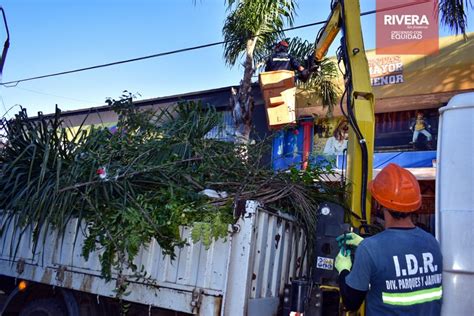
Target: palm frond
141	182
260	19
454	14
321	84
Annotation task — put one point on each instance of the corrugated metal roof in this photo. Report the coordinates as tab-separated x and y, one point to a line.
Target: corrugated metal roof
218	97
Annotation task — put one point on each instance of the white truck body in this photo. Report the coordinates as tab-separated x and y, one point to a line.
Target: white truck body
455	203
244	275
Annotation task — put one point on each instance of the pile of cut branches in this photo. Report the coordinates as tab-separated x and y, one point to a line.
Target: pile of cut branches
142	181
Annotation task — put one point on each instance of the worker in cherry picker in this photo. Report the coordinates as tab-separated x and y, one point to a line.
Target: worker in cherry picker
282	60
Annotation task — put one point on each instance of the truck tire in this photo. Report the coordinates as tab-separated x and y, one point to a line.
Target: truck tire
44	307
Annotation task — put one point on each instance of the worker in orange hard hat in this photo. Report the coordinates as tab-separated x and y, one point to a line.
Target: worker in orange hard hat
282	43
282	60
399	270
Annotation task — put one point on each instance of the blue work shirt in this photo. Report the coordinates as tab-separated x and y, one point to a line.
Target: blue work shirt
402	271
281	61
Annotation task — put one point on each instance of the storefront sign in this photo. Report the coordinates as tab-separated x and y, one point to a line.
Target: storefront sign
386	70
406	27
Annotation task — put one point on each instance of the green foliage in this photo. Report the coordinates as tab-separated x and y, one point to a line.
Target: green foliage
263	19
454	14
322	83
212	228
141	183
35	165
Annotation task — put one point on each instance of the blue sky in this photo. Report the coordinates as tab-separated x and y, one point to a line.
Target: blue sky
56	35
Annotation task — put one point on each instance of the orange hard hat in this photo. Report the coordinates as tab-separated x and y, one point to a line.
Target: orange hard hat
397	189
283	43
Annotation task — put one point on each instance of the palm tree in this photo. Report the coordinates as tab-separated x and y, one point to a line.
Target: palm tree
253	25
454	14
249	27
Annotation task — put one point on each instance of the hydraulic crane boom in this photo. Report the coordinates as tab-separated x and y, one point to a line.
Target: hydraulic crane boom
359	99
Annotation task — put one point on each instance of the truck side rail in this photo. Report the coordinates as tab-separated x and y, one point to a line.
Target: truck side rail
261	256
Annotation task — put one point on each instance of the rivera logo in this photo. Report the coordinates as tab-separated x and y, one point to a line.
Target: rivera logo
394	19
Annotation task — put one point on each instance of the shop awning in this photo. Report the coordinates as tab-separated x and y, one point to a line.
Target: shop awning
421	174
421	163
407	159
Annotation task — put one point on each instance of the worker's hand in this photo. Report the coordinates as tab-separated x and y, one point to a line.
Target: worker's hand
351	239
304	75
343	261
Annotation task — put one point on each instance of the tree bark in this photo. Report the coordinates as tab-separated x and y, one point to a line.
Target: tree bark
241	101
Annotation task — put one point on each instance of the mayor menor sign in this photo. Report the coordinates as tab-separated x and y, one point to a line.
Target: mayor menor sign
385	70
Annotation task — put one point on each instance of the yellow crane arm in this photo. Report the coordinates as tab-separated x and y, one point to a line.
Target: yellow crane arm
359	99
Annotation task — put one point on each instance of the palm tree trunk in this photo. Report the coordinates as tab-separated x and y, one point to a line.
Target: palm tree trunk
242	101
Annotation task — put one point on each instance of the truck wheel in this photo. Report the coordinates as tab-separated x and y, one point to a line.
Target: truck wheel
44	307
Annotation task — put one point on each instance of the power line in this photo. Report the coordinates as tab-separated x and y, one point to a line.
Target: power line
3	103
54	95
14	83
9	109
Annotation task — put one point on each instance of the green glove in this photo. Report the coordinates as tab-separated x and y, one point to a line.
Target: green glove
343	262
351	239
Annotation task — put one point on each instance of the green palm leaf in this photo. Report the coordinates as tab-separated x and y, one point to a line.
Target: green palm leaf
155	166
454	14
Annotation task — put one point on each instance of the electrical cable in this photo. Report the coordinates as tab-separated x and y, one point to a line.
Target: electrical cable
9	109
54	95
3	103
354	124
14	83
343	166
364	153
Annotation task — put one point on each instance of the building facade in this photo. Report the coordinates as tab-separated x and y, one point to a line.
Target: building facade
409	90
